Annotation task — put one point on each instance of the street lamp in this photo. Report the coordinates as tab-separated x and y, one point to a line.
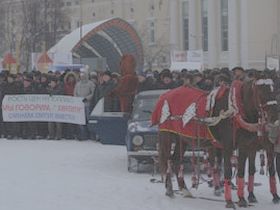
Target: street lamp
81	26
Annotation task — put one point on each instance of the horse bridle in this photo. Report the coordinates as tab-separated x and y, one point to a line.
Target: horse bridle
267	82
261	107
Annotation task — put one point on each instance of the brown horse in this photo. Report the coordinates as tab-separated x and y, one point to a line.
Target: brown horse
260	108
222	132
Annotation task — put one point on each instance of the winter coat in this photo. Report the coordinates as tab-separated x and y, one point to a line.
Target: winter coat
148	84
2	91
69	87
29	90
11	88
109	99
161	86
277	146
57	90
43	88
85	89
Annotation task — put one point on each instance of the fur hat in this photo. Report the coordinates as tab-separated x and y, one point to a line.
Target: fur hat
108	73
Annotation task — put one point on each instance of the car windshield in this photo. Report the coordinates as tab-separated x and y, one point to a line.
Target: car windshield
143	107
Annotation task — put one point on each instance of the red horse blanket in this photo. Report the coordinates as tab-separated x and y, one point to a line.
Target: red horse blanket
177	104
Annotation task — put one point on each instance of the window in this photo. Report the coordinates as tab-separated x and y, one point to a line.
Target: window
151	27
185	12
68	3
224	25
151	7
204	19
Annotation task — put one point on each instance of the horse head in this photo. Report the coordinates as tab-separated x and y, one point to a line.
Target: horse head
264	98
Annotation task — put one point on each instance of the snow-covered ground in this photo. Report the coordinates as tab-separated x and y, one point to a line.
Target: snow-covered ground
71	175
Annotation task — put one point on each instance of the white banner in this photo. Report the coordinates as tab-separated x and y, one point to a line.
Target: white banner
195	56
179	56
272	63
43	108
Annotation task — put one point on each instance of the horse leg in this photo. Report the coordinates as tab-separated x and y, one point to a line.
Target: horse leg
211	159
216	173
278	164
272	179
251	178
178	156
240	176
165	162
168	181
227	176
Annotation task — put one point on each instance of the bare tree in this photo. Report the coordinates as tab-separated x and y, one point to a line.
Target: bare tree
35	26
2	31
156	54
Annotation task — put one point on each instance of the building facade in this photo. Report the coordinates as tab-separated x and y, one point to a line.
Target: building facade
230	32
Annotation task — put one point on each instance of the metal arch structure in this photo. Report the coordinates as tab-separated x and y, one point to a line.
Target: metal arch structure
110	39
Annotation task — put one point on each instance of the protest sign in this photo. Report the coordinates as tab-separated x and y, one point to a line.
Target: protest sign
43	108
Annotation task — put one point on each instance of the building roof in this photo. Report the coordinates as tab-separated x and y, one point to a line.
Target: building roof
110	39
9	59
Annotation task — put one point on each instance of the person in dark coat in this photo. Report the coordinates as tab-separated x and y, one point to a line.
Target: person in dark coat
11	128
105	90
146	83
29	129
42	88
43	85
166	80
3	84
55	128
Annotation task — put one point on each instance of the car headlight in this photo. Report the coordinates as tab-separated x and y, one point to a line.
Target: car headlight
137	140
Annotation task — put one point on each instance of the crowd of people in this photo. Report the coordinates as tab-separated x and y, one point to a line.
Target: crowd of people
118	91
